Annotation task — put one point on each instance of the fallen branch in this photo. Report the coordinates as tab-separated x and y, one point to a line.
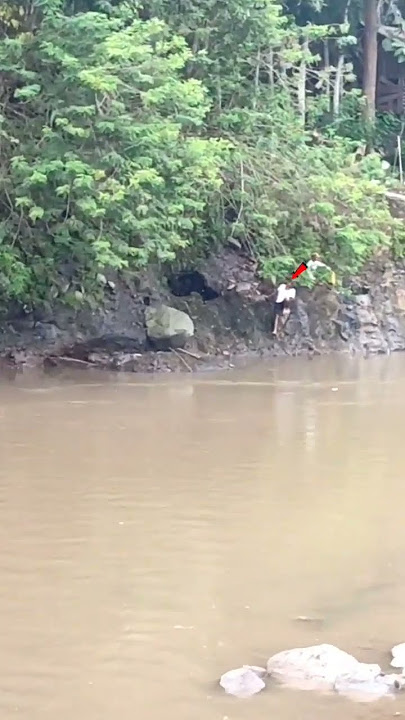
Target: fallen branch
183	360
69	360
187	352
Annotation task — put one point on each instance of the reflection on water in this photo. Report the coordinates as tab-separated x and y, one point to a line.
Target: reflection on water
156	532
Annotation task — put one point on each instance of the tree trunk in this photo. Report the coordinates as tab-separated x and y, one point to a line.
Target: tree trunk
370	57
270	70
326	65
337	90
302	82
257	78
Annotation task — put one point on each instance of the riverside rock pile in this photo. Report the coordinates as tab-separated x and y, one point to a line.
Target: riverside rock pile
321	668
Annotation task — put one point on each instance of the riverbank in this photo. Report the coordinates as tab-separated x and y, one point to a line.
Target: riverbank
232	325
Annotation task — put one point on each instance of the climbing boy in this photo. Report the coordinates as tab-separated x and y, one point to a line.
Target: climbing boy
282	307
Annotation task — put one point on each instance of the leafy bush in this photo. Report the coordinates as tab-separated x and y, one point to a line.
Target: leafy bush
102	162
293	195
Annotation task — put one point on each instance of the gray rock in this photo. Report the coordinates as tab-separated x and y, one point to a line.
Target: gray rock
244	287
371	335
46	331
167	327
243	682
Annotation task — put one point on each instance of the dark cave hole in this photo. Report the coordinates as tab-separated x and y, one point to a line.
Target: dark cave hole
360	289
191	281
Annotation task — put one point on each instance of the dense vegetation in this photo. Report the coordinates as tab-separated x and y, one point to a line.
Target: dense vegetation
134	133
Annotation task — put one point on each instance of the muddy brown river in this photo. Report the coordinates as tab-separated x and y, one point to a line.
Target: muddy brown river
156	532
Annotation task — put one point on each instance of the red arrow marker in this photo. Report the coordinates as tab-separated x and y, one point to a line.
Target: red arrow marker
300	269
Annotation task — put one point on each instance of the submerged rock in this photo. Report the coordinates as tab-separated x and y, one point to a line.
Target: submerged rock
368	683
167	327
398	656
243	682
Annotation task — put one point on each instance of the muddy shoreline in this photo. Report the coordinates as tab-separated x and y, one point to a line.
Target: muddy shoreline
17	362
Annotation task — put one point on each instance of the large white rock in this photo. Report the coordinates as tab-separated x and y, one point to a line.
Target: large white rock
243	682
368	683
325	667
314	667
168	327
398	656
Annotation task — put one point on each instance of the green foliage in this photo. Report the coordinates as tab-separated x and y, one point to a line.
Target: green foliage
292	197
350	124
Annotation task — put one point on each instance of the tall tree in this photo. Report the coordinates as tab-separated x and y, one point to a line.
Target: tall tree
370	57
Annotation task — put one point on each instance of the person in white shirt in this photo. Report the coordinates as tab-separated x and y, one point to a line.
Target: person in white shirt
285	295
315	263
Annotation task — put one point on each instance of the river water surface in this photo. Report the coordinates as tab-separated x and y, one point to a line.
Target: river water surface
155	533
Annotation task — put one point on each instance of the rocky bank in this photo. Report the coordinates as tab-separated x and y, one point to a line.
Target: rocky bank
231	310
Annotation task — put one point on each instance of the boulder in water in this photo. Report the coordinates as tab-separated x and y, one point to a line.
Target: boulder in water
398	656
315	667
167	327
368	683
325	667
243	682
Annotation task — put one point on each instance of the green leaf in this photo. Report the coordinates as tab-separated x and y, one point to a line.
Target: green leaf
36	213
28	92
23	201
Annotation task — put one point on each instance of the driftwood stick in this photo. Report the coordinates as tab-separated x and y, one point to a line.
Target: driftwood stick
183	360
70	360
187	352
